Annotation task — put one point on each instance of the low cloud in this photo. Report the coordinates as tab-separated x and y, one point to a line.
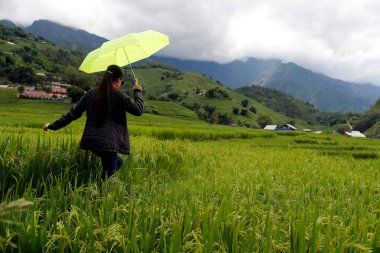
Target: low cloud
338	38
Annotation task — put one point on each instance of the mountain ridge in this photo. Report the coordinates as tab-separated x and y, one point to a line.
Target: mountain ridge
67	37
327	94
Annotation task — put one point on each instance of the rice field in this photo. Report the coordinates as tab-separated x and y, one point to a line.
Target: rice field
188	187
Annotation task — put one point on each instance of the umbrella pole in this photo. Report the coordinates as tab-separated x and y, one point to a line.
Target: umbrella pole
133	73
130	65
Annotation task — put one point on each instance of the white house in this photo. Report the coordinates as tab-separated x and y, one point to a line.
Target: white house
356	134
270	127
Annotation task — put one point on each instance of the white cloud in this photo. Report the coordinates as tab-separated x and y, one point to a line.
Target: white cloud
339	38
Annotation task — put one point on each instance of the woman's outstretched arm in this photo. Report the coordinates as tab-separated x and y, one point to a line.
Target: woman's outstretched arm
74	113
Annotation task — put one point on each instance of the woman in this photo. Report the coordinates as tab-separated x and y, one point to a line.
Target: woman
106	132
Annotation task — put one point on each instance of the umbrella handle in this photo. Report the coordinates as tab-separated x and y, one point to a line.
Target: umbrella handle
133	73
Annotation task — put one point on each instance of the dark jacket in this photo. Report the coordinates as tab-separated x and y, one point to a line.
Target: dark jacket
113	134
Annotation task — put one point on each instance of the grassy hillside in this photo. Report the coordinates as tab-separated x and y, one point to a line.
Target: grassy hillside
192	90
281	102
295	108
27	59
187	186
369	122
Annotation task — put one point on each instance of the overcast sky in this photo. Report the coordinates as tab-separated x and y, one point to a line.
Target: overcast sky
340	38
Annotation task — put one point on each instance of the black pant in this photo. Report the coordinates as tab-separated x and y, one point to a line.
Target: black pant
111	163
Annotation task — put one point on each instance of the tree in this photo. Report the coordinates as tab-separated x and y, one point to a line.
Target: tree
18	74
210	109
264	120
244	103
235	110
211	93
341	130
9	60
207	114
366	121
216	93
252	109
244	111
21	89
74	77
75	93
48	89
224	119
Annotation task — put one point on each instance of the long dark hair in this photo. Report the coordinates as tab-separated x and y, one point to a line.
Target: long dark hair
103	103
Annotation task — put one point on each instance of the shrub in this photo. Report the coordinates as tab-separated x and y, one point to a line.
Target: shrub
264	120
244	111
217	93
224	119
75	93
244	103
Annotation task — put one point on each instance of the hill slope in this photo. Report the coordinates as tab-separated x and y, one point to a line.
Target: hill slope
210	100
293	107
27	59
369	122
281	102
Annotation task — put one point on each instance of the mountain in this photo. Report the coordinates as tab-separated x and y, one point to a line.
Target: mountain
8	23
234	74
325	93
66	37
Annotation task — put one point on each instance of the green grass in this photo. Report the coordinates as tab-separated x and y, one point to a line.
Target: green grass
186	187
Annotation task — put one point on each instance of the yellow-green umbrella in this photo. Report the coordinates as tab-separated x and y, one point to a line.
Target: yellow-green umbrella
124	50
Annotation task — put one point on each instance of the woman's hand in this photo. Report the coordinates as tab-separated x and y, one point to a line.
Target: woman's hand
137	86
46	126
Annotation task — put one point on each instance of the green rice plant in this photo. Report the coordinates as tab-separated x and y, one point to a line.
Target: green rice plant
366	155
305	141
190	187
7	213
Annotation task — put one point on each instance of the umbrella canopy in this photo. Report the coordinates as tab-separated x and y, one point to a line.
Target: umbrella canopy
124	50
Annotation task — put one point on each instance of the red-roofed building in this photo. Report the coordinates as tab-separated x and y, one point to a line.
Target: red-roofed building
59	90
37	94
